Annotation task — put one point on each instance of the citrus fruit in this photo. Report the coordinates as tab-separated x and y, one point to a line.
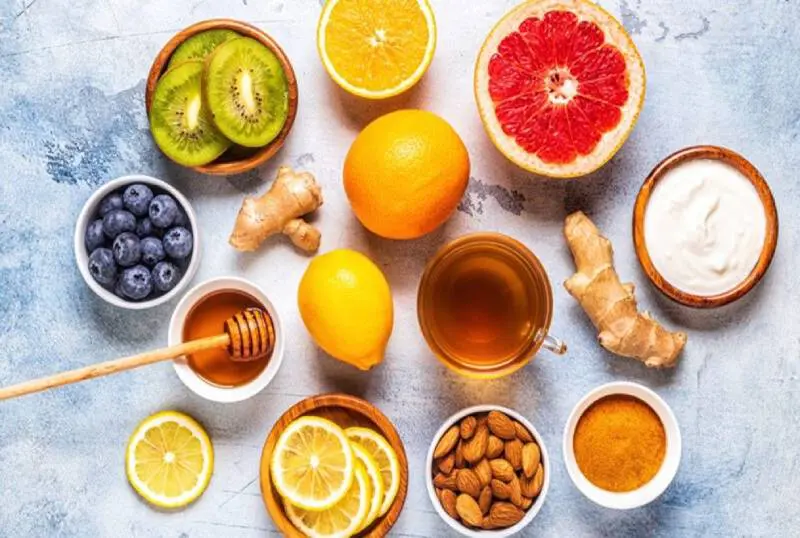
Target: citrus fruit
384	456
376	49
169	459
406	173
342	520
346	305
559	86
378	491
312	464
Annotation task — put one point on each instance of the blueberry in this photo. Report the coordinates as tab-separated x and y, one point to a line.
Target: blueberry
137	199
102	266
136	282
118	289
163	210
145	228
165	276
127	249
182	219
152	251
178	243
109	203
118	221
94	238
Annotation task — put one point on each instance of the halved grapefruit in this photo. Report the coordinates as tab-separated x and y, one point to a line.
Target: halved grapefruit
559	86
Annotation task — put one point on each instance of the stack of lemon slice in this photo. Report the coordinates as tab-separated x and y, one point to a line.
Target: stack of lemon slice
334	482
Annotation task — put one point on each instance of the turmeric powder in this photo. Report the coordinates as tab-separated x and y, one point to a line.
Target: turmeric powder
619	443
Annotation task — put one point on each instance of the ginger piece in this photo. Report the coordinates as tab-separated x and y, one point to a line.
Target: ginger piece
292	195
610	304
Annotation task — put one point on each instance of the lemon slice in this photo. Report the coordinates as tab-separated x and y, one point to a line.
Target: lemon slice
169	459
312	464
376	481
381	451
376	49
343	519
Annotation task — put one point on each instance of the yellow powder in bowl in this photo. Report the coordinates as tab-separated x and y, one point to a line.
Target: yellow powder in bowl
619	443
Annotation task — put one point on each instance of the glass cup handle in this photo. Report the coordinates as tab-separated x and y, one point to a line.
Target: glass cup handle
551	343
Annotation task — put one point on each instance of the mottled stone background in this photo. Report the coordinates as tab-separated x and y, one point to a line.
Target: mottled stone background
71	118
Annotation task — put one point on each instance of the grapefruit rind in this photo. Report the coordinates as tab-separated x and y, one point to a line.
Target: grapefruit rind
407	84
612	140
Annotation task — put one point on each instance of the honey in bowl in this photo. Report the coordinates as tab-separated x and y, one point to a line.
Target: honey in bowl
207	318
619	443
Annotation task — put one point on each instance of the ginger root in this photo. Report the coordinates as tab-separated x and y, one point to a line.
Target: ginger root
610	304
292	195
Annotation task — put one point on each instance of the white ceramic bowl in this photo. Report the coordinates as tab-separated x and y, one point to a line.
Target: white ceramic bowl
531	512
653	489
88	213
197	384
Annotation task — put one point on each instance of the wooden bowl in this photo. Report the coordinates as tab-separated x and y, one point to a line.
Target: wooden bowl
236	160
346	411
770	240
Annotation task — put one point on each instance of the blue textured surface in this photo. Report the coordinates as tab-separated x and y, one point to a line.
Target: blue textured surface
71	118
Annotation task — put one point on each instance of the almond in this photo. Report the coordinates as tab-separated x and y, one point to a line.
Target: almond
530	458
502	470
501	426
444	481
500	489
485	500
526	503
446	464
467	482
503	515
448	499
459	459
531	487
512	451
475	448
484	472
468	426
468	510
494	448
446	443
516	492
522	433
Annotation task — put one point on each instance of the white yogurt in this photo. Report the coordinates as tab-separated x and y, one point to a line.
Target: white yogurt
704	227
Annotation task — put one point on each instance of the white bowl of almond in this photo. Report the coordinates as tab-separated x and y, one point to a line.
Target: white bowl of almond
488	471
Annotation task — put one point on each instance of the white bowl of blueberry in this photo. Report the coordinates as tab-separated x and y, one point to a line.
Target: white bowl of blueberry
136	242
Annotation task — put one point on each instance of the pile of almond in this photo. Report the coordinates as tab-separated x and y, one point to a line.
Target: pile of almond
487	471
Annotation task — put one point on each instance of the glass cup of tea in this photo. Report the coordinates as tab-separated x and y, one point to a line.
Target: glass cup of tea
485	306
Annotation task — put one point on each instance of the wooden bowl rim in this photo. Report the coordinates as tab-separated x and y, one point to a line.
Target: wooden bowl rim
381	527
263	154
744	166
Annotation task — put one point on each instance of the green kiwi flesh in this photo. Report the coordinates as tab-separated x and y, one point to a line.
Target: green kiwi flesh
247	92
179	120
199	46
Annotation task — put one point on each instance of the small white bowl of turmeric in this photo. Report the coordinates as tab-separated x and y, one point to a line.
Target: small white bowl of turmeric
622	445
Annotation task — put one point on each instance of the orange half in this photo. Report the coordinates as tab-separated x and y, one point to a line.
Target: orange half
376	48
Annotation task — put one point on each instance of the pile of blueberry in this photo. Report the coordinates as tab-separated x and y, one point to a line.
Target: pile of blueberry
140	243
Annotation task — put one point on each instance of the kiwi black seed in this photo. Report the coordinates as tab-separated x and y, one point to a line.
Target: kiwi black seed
200	45
179	120
247	92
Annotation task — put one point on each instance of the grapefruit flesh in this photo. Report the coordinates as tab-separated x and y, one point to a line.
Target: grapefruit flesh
559	86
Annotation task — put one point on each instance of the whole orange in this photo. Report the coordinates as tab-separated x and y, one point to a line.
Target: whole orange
406	173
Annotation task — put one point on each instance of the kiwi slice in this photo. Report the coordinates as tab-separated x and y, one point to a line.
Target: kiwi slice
247	92
200	45
179	120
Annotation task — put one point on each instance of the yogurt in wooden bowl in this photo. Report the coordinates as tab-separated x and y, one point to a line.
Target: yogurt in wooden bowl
705	226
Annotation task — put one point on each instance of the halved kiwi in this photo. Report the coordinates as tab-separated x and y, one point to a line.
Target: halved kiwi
247	92
179	120
200	45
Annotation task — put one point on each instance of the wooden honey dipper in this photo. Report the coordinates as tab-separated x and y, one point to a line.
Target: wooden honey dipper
249	335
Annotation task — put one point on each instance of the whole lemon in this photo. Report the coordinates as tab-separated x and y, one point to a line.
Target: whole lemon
406	173
346	305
